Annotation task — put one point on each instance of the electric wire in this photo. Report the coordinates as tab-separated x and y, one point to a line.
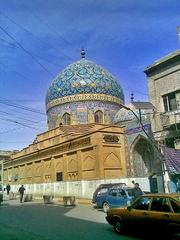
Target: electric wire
28	31
26	51
7	113
5	102
22	124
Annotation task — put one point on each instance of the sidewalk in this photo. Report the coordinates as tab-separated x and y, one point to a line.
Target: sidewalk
8	200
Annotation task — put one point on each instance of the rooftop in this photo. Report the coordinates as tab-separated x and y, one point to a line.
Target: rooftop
172	57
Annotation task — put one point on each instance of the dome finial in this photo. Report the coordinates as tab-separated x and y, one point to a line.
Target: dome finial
132	97
83	53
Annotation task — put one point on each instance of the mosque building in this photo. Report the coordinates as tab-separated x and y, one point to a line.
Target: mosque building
92	138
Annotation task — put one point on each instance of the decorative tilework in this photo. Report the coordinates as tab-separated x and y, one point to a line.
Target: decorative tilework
125	115
83	77
83	97
82	112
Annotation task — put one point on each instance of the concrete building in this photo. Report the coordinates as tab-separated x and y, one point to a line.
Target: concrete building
86	143
164	93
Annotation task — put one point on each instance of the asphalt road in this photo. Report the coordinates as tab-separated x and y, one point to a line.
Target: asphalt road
37	221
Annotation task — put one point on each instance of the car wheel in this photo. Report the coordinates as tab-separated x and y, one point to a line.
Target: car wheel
118	227
106	207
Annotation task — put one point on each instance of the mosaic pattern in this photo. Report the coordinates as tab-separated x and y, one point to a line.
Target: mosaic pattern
81	112
125	115
84	77
83	97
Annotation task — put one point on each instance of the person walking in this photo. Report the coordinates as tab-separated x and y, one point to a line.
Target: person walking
21	191
137	191
8	188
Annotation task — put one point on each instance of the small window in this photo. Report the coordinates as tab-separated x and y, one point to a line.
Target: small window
160	205
121	193
170	101
142	204
130	192
175	207
98	117
113	193
59	176
66	119
103	190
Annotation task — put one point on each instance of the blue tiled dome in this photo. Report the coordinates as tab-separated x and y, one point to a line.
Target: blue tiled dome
124	115
84	77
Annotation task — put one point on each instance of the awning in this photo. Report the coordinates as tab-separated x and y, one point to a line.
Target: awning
172	160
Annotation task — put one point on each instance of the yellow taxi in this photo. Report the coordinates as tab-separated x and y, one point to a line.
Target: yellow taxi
151	213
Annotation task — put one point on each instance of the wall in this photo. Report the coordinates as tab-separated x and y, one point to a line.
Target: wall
99	154
80	189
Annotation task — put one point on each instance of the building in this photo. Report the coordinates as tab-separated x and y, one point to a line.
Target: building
86	144
164	93
4	156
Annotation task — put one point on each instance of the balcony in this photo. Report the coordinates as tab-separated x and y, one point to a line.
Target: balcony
170	118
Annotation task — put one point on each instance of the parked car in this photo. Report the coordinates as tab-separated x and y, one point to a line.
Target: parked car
103	188
154	213
114	197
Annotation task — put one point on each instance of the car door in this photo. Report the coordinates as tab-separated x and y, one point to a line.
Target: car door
161	213
112	198
117	198
139	212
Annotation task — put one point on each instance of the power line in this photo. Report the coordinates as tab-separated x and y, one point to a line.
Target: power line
18	117
24	29
60	36
26	51
22	124
5	102
52	63
10	130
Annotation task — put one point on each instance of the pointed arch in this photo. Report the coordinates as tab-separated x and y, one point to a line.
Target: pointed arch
98	116
112	161
66	119
72	165
89	163
142	156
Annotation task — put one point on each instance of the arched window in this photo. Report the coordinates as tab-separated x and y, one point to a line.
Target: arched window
66	119
98	117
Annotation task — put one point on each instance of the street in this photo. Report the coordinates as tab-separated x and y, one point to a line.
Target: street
37	221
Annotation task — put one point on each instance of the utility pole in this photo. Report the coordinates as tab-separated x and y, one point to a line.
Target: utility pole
178	30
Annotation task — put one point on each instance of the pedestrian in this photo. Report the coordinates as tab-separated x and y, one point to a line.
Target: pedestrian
137	191
21	191
8	188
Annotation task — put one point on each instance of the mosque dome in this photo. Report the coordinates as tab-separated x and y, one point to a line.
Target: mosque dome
124	115
83	85
84	77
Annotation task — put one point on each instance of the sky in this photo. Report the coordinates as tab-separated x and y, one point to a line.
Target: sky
38	39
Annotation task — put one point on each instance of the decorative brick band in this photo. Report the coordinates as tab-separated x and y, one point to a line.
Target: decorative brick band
83	97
